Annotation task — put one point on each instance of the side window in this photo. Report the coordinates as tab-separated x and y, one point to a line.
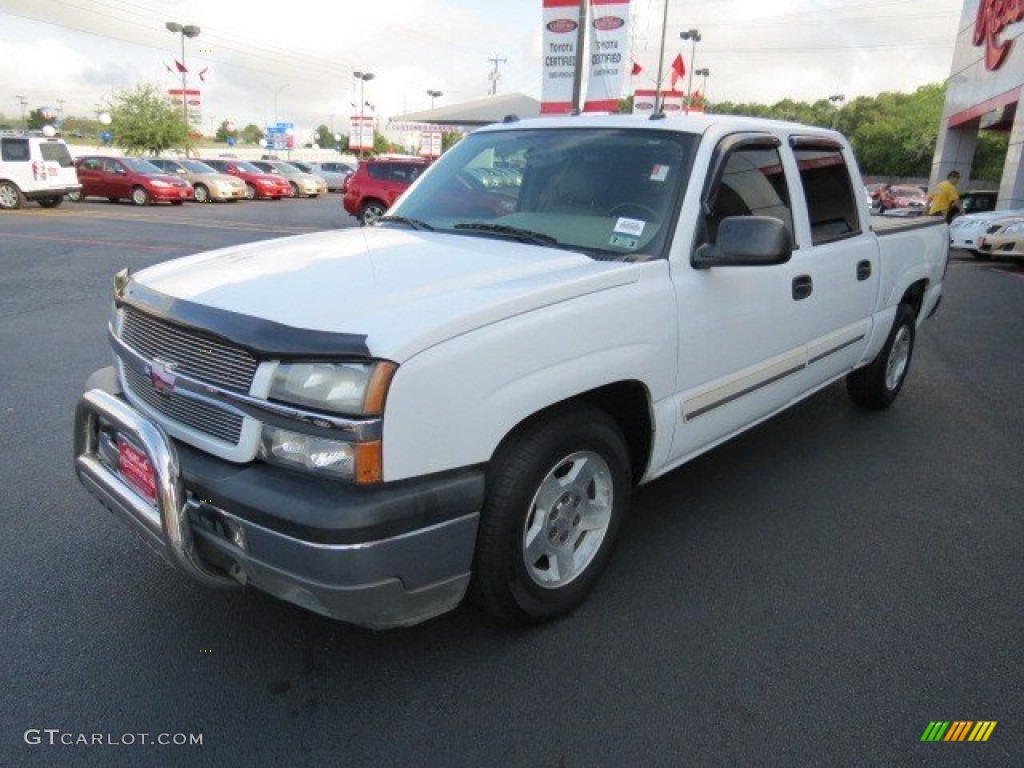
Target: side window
92	164
378	170
831	206
56	152
14	150
111	166
752	183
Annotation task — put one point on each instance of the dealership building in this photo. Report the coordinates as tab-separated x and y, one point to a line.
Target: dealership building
984	94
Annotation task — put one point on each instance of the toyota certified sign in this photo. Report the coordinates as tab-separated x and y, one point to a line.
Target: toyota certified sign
608	23
562	26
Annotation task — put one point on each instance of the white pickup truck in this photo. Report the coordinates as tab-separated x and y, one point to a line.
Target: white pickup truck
373	422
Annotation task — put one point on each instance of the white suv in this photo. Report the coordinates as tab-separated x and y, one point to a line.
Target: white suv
34	167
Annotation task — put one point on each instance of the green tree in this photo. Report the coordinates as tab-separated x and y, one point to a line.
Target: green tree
323	136
449	139
223	134
36	120
252	134
144	120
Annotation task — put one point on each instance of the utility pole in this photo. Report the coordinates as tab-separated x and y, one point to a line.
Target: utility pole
577	75
493	77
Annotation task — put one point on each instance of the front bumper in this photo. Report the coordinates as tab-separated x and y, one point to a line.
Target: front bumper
387	556
171	194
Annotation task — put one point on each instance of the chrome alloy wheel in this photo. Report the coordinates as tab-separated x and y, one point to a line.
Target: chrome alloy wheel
568	519
899	358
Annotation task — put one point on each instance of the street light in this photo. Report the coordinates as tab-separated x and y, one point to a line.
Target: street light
693	36
362	77
276	93
24	103
434	95
703	84
837	99
185	30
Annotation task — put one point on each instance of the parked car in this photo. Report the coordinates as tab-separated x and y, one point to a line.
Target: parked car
258	183
207	183
377	183
129	178
966	231
902	196
334	173
299	182
34	167
978	201
1004	239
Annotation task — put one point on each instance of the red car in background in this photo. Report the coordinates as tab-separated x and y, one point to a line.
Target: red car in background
258	183
902	196
377	183
120	178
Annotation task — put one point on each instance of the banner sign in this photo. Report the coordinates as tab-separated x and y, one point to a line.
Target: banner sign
430	143
561	22
609	56
280	136
360	135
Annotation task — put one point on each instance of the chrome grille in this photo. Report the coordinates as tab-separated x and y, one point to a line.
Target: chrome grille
199	416
197	356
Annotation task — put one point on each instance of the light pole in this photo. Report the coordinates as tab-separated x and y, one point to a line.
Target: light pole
24	103
362	77
276	93
693	36
185	30
704	85
434	95
837	99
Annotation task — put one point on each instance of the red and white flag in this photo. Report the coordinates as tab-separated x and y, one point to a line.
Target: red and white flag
180	66
636	70
678	70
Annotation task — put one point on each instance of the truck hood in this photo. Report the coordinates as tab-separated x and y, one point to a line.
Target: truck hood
404	291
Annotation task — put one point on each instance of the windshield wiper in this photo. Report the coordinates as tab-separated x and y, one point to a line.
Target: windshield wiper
522	235
414	223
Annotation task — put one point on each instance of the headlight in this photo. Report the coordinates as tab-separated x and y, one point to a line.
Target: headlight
359	462
355	389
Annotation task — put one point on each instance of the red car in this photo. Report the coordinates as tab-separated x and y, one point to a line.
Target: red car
258	183
120	178
902	196
377	183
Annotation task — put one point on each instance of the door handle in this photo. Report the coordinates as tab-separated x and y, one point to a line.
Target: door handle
802	287
863	269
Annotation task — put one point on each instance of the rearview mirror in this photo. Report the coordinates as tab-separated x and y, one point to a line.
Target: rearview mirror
746	241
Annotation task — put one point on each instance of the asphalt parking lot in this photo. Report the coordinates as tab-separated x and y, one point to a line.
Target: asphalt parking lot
813	593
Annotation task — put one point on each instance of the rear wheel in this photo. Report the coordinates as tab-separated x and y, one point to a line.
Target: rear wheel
558	490
876	385
202	194
51	202
372	211
140	196
11	197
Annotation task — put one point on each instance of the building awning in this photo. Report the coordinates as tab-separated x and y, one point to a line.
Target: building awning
492	109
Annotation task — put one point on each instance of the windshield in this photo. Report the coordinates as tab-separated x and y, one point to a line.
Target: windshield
194	166
608	192
248	168
284	168
142	166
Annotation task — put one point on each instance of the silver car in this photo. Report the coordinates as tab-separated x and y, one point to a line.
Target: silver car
333	172
302	184
208	183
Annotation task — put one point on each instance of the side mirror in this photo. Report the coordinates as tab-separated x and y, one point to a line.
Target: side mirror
746	241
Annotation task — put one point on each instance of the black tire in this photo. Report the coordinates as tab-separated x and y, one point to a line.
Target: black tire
250	191
51	202
177	202
294	189
514	578
202	194
372	211
75	197
113	199
140	196
11	197
876	385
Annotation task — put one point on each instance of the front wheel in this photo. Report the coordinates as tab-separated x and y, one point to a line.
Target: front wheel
876	385
75	197
140	196
294	189
558	490
202	194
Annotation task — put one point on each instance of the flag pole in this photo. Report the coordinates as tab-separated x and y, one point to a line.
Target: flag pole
661	61
577	75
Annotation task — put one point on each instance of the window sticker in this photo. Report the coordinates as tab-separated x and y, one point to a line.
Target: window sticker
659	173
624	241
624	226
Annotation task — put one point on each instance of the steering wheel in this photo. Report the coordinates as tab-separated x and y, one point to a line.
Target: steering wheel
645	212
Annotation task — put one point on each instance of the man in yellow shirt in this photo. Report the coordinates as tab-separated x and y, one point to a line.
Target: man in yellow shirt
944	200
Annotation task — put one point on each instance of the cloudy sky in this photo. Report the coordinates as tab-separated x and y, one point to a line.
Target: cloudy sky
298	57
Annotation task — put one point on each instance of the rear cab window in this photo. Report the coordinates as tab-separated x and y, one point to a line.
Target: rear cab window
828	189
56	152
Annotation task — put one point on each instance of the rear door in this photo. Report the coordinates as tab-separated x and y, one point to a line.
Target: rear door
91	176
116	178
